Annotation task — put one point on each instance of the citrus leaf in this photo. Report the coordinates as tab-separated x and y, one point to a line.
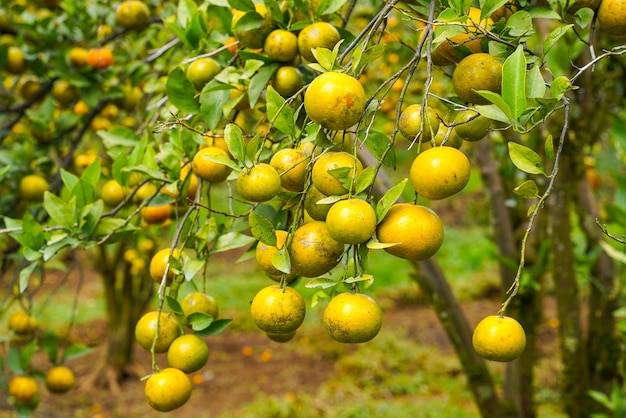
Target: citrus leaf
221	159
514	82
374	244
527	190
359	278
24	278
212	99
199	321
525	159
231	241
191	267
278	113
215	328
487	7
281	260
612	252
499	102
262	229
329	200
365	179
320	294
181	92
74	351
549	147
234	140
174	305
327	7
50	345
321	282
535	84
554	36
377	143
259	81
389	198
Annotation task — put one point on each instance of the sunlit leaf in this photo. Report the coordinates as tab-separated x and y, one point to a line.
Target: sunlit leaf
389	198
277	112
215	328
231	241
262	229
527	190
525	159
181	91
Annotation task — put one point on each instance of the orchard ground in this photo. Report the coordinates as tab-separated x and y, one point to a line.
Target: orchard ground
409	369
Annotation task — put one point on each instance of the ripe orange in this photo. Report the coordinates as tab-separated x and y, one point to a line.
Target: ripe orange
25	391
317	35
167	389
99	58
334	100
22	323
201	71
352	318
291	165
410	123
315	210
259	183
16	61
313	251
351	221
278	311
209	170
159	263
156	215
287	81
60	379
33	187
612	17
77	56
282	45
264	253
416	230
188	353
499	338
324	168
199	302
477	72
440	172
472	126
132	14
146	329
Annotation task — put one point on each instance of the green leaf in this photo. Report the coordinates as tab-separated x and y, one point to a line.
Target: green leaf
181	92
525	159
259	81
250	21
185	11
231	241
613	252
325	58
191	267
321	282
365	179
24	277
262	229
535	84
560	86
487	7
320	294
361	278
377	143
60	211
50	345
199	321
14	362
584	17
374	244
514	82
215	328
174	306
493	112
327	7
212	99
389	198
370	55
243	5
234	140
520	24
278	113
74	351
554	36
282	261
498	101
527	190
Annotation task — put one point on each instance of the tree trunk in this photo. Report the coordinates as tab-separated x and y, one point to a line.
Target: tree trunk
574	378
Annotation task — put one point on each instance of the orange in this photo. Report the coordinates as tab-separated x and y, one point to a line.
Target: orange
156	215
477	72
99	58
188	353
209	170
471	126
339	163
278	311
499	338
315	210
440	172
253	38
77	56
416	231
112	193
33	187
351	221
146	328
287	81
317	35
468	42
313	251
612	17
60	379
132	14
452	139
64	92
16	61
167	389
22	323
25	391
282	45
264	253
334	100
201	71
291	165
410	123
352	318
159	263
199	302
259	183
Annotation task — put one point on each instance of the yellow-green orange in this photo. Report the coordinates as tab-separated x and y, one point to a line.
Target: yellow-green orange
352	318
351	221
188	353
471	126
168	389
146	329
317	35
474	73
287	81
324	174
291	165
335	100
612	17
205	166
259	183
264	254
33	187
201	71
416	231
282	45
159	263
410	123
313	251
440	172
277	310
60	379
196	302
132	14
499	338
317	211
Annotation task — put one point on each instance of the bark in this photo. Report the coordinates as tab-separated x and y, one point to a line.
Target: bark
574	378
432	281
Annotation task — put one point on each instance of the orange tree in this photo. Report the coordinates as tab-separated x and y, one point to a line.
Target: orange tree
286	128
